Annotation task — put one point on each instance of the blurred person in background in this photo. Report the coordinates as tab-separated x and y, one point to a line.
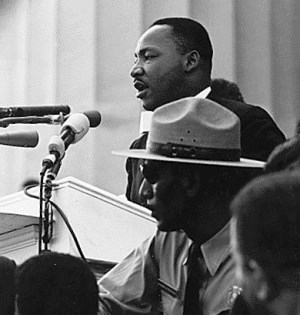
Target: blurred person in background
286	155
226	89
265	237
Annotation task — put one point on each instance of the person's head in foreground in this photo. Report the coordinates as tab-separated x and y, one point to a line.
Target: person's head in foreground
192	166
173	60
56	284
7	286
265	234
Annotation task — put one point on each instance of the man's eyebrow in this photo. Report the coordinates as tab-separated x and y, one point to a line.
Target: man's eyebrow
143	51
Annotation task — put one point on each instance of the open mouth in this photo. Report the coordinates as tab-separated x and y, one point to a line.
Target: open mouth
141	88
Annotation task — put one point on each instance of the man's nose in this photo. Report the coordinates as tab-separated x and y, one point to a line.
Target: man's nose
145	191
136	70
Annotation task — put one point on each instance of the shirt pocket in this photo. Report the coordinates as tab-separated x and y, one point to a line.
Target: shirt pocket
171	302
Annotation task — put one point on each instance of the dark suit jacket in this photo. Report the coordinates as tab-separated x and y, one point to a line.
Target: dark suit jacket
259	136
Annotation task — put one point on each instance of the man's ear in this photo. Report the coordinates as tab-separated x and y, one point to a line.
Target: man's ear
192	60
265	288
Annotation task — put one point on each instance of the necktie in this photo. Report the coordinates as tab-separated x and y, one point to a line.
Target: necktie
195	278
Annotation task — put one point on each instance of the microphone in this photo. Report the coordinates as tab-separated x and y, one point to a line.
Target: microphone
72	131
93	115
20	139
37	110
94	118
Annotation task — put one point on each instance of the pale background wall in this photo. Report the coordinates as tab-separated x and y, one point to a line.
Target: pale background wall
79	52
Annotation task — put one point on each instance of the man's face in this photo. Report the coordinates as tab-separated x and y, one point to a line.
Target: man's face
246	274
158	71
163	195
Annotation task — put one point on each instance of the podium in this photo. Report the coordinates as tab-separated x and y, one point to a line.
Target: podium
107	227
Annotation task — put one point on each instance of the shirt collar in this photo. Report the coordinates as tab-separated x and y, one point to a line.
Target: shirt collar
204	93
216	249
146	116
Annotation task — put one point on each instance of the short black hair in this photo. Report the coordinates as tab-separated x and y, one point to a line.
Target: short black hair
267	213
227	89
56	284
189	35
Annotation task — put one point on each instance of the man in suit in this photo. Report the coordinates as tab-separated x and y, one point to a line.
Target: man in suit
173	60
265	238
192	169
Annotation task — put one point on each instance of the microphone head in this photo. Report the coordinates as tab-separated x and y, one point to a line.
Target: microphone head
20	139
56	144
94	117
79	125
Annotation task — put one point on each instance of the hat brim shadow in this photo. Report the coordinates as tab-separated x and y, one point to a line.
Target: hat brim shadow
144	154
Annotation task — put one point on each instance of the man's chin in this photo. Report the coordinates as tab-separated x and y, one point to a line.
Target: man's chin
151	104
148	106
161	226
166	227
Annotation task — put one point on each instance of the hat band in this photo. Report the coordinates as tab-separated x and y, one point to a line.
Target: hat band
191	152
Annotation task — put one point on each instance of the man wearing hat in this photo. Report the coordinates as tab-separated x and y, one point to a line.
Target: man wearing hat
192	169
173	60
265	236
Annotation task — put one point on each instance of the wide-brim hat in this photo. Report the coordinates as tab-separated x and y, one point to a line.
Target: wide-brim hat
194	130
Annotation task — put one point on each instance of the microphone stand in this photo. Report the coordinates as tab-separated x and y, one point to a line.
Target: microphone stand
48	214
46	211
